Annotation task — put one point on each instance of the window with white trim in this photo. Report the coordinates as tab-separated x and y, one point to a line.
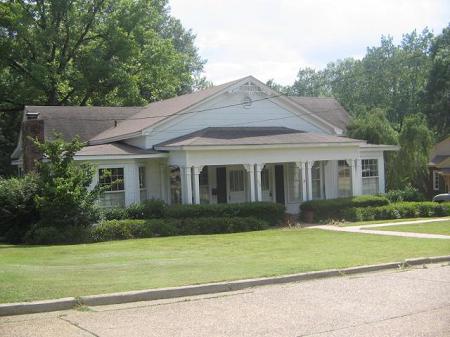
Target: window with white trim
370	177
316	180
294	183
142	183
265	185
344	179
237	181
113	180
435	180
175	185
204	185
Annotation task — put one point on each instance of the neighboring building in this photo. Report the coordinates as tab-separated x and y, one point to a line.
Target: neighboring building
239	141
440	167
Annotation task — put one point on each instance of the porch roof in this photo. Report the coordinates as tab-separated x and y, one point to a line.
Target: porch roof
238	136
114	150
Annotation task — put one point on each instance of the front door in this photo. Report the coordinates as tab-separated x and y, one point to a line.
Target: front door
279	184
221	175
236	184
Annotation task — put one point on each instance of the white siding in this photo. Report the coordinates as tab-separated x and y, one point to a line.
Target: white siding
260	113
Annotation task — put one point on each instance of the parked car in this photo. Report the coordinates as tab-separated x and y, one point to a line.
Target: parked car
442	197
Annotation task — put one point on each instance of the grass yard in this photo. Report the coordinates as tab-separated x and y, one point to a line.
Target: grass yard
360	223
429	228
31	273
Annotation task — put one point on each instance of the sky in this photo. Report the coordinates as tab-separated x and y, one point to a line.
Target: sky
273	39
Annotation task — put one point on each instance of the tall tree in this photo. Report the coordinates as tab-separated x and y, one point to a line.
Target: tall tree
92	52
437	93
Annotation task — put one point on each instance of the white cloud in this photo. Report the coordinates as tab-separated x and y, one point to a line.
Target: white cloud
274	38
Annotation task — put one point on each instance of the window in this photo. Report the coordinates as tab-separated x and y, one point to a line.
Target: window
175	185
113	180
344	179
265	185
294	183
369	172
435	180
112	177
142	183
204	186
236	181
316	180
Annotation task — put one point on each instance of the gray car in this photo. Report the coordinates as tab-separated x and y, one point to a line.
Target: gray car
442	197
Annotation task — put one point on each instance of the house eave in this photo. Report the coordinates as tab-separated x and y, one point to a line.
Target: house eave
122	156
253	146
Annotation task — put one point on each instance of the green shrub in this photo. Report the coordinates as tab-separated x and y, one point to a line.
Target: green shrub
114	213
271	212
153	208
45	235
409	193
336	208
137	228
398	210
17	207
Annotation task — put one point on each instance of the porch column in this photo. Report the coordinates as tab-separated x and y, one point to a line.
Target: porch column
196	181
351	163
302	167
186	184
309	178
164	183
258	169
131	184
381	174
358	179
250	169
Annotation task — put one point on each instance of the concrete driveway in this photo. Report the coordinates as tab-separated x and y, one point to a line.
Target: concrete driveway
415	302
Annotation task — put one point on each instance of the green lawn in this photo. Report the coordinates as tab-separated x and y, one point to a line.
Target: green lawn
30	273
429	227
360	223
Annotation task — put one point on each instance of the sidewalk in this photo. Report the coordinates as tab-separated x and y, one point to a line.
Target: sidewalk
365	229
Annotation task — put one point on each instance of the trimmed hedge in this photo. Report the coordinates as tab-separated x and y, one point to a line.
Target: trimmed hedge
268	211
409	193
133	229
336	208
271	212
398	210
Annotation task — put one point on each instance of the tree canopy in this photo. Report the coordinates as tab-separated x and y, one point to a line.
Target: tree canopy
91	52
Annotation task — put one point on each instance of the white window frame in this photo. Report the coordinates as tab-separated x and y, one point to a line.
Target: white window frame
142	183
237	180
317	166
435	180
348	176
294	183
113	194
369	174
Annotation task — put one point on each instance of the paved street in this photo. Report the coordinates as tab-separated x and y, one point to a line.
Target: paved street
408	303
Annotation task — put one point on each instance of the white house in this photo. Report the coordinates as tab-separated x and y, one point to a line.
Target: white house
239	141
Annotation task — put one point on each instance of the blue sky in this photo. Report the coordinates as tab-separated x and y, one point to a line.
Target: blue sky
274	38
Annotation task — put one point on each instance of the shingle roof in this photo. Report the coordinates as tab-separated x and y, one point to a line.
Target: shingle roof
327	108
223	136
113	149
158	111
85	121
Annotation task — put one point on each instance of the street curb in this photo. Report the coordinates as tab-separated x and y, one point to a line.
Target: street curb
9	309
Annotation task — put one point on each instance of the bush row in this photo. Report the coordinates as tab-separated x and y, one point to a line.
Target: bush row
134	228
336	208
270	212
397	210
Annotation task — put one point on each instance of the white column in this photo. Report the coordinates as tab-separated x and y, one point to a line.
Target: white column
186	185
258	169
302	167
131	184
381	173
250	169
196	183
163	181
309	178
358	179
351	163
